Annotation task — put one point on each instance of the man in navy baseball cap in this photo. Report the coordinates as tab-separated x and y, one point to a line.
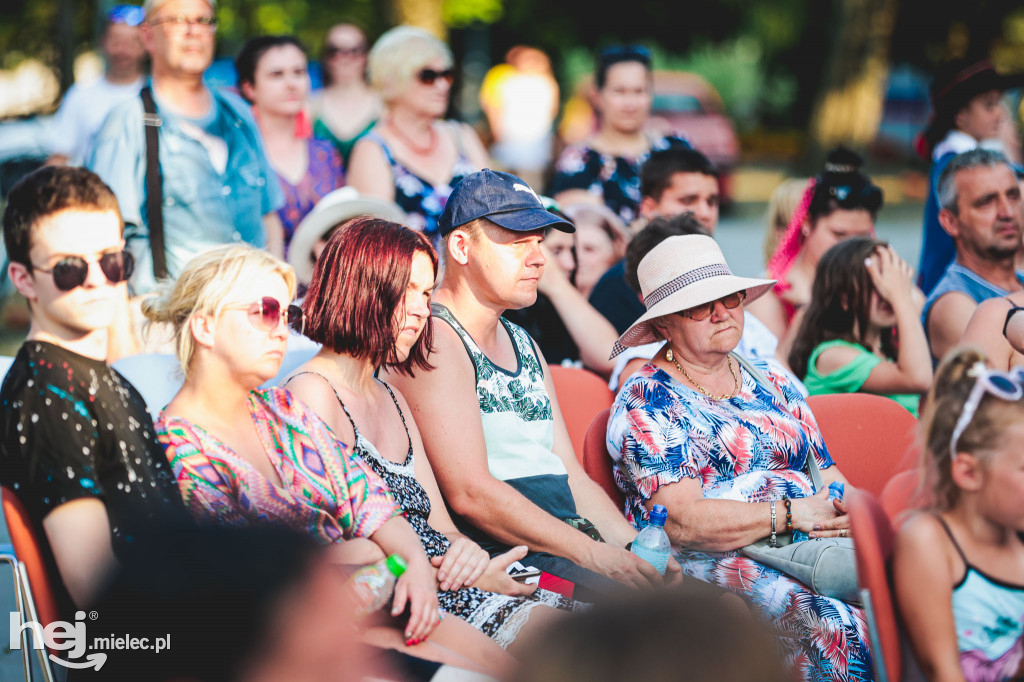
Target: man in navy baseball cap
503	199
487	411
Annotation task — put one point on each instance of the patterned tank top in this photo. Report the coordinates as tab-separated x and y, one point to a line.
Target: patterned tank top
422	201
517	420
989	617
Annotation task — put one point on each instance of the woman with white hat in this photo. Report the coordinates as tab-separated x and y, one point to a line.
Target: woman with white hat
696	431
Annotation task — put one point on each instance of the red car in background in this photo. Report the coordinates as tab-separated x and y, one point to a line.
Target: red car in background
689	106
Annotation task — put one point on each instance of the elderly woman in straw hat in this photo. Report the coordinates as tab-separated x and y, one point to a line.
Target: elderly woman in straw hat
702	432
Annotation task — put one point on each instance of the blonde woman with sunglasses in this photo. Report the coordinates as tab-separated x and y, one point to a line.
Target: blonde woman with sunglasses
413	156
243	455
958	566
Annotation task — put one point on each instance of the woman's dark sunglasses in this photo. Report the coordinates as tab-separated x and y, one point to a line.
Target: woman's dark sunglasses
868	197
625	53
332	51
71	272
703	311
429	76
266	314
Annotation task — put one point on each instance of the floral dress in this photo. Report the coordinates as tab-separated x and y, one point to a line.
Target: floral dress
498	616
422	201
616	179
747	448
323	176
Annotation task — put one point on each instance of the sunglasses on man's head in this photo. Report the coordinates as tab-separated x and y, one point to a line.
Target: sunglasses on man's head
430	76
70	272
703	311
332	51
266	314
129	15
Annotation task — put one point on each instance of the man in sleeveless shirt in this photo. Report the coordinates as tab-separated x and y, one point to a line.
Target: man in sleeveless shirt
980	208
487	411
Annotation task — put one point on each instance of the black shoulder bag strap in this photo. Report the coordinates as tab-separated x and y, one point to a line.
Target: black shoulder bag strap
154	185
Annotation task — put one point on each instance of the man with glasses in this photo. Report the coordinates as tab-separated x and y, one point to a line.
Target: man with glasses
86	106
214	181
487	411
980	208
77	445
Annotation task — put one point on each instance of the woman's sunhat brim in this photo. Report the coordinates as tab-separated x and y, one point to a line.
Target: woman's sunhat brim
704	291
332	210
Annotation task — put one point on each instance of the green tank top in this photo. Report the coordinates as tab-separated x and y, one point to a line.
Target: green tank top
850	377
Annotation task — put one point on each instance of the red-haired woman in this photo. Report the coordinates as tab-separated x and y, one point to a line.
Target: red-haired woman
369	306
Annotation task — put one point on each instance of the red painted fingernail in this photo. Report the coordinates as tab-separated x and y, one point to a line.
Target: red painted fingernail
410	642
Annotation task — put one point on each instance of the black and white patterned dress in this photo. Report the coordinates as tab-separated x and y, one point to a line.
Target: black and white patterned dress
498	616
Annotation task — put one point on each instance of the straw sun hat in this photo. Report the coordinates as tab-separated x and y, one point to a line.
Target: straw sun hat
332	210
681	273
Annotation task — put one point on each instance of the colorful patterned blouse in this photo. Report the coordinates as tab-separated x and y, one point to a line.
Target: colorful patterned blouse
323	176
327	497
616	179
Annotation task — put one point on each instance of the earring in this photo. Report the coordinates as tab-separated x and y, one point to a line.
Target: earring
669	356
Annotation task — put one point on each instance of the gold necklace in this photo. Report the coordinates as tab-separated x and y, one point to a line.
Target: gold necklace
735	378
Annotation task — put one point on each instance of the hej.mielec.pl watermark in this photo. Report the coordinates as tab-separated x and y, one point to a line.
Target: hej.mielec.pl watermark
61	635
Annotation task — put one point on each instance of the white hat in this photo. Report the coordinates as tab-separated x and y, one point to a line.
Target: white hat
332	210
680	273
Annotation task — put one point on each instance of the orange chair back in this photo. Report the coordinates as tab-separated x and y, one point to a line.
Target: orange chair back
581	395
597	462
903	494
873	536
27	549
870	437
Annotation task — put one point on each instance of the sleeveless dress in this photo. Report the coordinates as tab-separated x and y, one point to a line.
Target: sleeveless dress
989	618
422	201
498	616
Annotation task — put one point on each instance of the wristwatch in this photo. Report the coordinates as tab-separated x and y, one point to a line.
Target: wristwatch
1009	314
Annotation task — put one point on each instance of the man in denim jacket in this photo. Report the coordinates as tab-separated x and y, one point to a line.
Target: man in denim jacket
217	184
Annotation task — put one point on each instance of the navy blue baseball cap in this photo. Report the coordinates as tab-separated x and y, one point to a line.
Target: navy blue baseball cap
503	199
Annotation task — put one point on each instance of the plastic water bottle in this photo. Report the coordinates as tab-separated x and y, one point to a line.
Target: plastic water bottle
652	544
373	585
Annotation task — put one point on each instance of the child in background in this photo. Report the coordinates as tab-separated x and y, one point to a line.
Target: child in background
958	568
861	303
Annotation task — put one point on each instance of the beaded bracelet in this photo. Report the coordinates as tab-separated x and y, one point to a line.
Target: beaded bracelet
789	514
773	541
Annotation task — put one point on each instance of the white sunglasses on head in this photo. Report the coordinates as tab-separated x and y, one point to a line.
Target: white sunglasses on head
1007	386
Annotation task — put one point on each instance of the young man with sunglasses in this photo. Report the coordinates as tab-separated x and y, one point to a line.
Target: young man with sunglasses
77	444
85	106
496	441
980	208
216	184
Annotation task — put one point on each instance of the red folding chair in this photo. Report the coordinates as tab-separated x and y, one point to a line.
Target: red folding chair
597	462
581	395
34	597
903	494
873	538
870	437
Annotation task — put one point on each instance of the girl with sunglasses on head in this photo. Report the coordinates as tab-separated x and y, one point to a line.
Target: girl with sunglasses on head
413	156
958	566
273	77
347	107
243	455
607	164
862	301
838	204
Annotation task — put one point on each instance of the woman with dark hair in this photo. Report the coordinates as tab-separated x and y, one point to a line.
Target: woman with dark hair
273	78
862	301
347	108
369	306
607	164
838	204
